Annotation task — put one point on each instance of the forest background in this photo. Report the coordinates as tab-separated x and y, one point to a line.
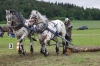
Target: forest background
50	9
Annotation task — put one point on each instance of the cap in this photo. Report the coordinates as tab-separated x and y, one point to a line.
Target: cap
66	19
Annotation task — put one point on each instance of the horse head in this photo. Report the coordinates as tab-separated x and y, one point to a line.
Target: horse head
36	17
13	17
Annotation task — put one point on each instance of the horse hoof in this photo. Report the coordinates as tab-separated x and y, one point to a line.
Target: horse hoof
46	54
57	53
41	52
23	53
31	52
64	51
19	51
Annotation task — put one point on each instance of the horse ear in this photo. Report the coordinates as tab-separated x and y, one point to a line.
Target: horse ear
6	11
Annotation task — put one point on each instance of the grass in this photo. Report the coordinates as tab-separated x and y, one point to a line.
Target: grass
90	37
91	24
86	37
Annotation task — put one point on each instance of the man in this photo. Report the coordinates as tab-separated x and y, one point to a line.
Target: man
69	27
68	31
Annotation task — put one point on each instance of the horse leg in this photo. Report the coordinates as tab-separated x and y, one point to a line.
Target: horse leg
23	52
64	46
31	44
57	44
43	48
20	42
20	47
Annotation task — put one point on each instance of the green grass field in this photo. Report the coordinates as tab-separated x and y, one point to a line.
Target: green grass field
93	24
90	37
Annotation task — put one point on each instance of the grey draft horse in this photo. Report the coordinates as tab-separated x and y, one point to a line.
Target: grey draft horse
16	22
47	31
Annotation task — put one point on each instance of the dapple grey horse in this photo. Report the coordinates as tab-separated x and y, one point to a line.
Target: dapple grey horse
16	22
47	31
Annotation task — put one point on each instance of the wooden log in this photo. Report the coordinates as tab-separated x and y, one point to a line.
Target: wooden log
84	49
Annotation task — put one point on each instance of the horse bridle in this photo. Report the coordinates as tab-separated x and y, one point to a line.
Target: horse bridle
41	29
35	22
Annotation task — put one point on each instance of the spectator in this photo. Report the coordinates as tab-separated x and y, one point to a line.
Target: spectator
69	27
11	34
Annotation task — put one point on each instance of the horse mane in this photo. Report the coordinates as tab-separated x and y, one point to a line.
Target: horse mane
40	16
19	16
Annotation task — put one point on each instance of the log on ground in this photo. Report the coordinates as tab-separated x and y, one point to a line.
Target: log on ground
84	49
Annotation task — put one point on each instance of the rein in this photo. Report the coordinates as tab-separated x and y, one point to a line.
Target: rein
34	29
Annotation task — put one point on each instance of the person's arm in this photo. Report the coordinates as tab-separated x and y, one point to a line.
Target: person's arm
70	26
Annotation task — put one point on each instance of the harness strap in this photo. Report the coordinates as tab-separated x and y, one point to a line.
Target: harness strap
55	33
41	30
46	27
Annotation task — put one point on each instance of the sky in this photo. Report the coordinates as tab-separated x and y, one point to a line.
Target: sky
84	3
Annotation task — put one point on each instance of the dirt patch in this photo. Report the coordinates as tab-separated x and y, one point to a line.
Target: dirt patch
11	59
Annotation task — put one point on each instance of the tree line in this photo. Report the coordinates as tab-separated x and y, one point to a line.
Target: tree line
49	9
